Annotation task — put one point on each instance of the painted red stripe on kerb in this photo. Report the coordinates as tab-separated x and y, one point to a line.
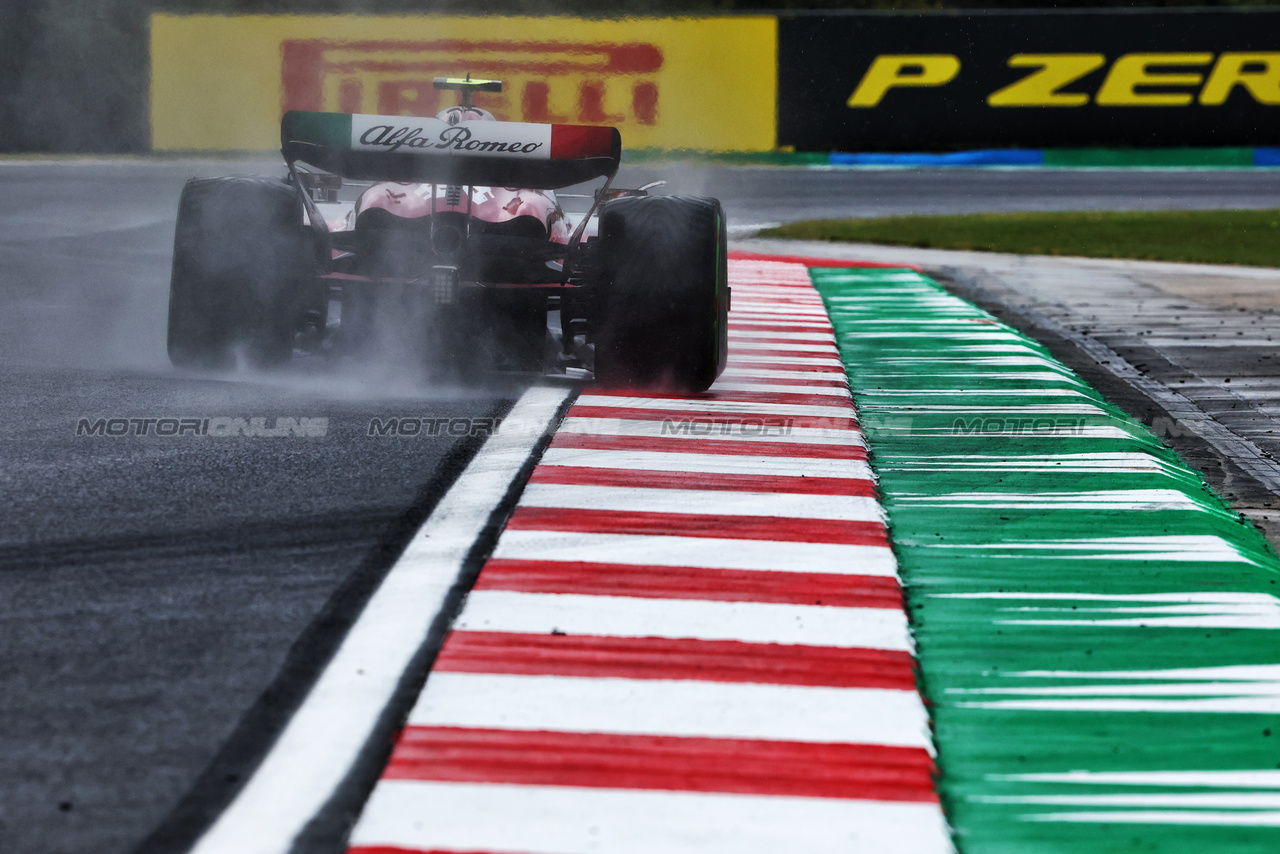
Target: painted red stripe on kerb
814	327
585	578
775	293
395	849
809	307
791	398
748	424
801	346
727	447
745	362
666	763
807	354
771	282
815	262
799	323
774	528
570	142
521	654
717	482
741	375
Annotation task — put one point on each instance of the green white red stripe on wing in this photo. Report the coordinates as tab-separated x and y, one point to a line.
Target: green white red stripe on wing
431	136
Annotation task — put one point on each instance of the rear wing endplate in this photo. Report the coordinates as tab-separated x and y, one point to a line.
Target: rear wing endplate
415	150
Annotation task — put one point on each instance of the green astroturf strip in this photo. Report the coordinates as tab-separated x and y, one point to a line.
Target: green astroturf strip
1212	158
1098	634
1212	237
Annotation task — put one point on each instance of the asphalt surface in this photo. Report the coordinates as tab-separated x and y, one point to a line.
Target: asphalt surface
166	600
763	195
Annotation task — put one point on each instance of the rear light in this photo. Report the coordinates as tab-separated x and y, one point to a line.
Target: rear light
444	284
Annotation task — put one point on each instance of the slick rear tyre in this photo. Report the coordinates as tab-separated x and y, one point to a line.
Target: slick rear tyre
243	268
662	306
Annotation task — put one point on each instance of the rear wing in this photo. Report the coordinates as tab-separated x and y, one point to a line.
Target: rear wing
486	153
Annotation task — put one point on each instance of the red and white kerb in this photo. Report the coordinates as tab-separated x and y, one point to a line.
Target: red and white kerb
690	637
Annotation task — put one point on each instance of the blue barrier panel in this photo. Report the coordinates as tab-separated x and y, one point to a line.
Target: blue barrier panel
988	157
1266	157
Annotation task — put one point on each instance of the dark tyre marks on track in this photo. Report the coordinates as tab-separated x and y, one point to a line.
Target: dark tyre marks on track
258	728
166	602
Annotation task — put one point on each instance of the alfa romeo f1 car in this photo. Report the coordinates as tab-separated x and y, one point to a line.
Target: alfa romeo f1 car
451	228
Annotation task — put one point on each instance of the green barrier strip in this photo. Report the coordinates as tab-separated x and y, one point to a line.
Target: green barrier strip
1149	157
1098	633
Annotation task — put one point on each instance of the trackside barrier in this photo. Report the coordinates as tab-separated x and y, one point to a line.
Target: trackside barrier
1029	79
1132	158
1202	85
223	82
815	82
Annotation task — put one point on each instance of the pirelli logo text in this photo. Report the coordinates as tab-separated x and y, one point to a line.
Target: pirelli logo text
1072	79
546	82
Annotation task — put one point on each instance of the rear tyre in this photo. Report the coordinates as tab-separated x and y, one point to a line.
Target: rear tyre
243	273
662	306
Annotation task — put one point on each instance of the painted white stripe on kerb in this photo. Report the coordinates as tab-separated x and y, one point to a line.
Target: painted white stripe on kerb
747	430
563	820
740	359
845	508
807	320
762	310
807	349
782	337
673	707
749	622
837	409
323	739
835	392
736	372
736	322
797	467
707	552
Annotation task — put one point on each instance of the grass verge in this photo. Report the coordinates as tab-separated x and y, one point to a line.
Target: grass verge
1210	237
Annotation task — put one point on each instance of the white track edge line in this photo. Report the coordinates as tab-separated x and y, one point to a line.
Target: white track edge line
325	736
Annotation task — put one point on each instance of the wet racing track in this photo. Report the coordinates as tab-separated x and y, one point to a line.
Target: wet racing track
166	601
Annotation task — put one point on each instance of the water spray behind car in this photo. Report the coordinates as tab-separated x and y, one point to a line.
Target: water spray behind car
441	242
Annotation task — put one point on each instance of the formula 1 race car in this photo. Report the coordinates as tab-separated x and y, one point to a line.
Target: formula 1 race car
449	230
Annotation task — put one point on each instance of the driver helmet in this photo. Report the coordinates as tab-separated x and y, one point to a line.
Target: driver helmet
455	115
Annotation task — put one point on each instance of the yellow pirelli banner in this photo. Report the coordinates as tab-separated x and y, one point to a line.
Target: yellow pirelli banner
222	82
